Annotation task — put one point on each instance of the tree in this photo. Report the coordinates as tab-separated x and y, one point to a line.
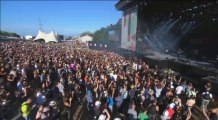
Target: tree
102	34
11	34
86	33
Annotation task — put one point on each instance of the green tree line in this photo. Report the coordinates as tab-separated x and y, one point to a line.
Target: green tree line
11	34
102	33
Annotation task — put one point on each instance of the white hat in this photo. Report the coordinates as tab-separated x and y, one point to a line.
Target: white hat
97	103
52	103
171	105
102	117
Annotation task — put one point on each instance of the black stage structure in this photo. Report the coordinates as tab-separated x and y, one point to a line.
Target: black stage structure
165	26
173	24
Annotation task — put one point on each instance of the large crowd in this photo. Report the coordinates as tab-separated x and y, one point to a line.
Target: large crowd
52	77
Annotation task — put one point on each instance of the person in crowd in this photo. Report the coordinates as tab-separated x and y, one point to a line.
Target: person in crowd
132	92
177	101
143	115
110	100
190	104
20	87
40	97
158	90
213	108
132	113
208	86
39	112
179	90
169	112
60	86
153	110
26	109
89	99
113	86
68	104
119	101
178	115
45	113
55	93
192	92
105	114
206	98
54	110
97	109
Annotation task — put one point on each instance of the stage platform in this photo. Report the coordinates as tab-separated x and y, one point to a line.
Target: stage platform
184	66
199	64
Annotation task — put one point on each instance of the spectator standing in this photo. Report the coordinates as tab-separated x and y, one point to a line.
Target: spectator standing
26	109
206	97
153	110
132	113
68	105
143	115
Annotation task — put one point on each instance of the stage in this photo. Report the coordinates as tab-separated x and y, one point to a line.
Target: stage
183	60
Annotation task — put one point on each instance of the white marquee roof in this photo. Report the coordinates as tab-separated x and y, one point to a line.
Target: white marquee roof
48	37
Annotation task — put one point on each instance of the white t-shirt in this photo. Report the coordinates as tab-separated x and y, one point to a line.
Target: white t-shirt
139	67
115	77
179	90
61	87
158	92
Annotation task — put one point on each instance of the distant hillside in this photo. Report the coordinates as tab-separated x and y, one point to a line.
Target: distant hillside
11	34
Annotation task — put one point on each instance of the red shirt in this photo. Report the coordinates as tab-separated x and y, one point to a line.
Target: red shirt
171	112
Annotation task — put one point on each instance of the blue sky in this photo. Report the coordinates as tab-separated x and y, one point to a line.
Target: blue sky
64	17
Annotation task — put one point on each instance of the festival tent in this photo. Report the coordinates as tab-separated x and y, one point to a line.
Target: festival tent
46	37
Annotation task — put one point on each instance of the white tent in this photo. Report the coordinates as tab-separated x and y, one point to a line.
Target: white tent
28	37
47	37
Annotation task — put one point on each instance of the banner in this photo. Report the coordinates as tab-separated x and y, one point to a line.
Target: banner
129	26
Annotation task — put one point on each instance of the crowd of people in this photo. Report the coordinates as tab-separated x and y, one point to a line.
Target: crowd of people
52	77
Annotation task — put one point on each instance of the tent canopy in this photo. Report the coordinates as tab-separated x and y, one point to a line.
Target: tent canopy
47	37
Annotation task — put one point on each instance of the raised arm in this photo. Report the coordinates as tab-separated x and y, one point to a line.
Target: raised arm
113	91
107	113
